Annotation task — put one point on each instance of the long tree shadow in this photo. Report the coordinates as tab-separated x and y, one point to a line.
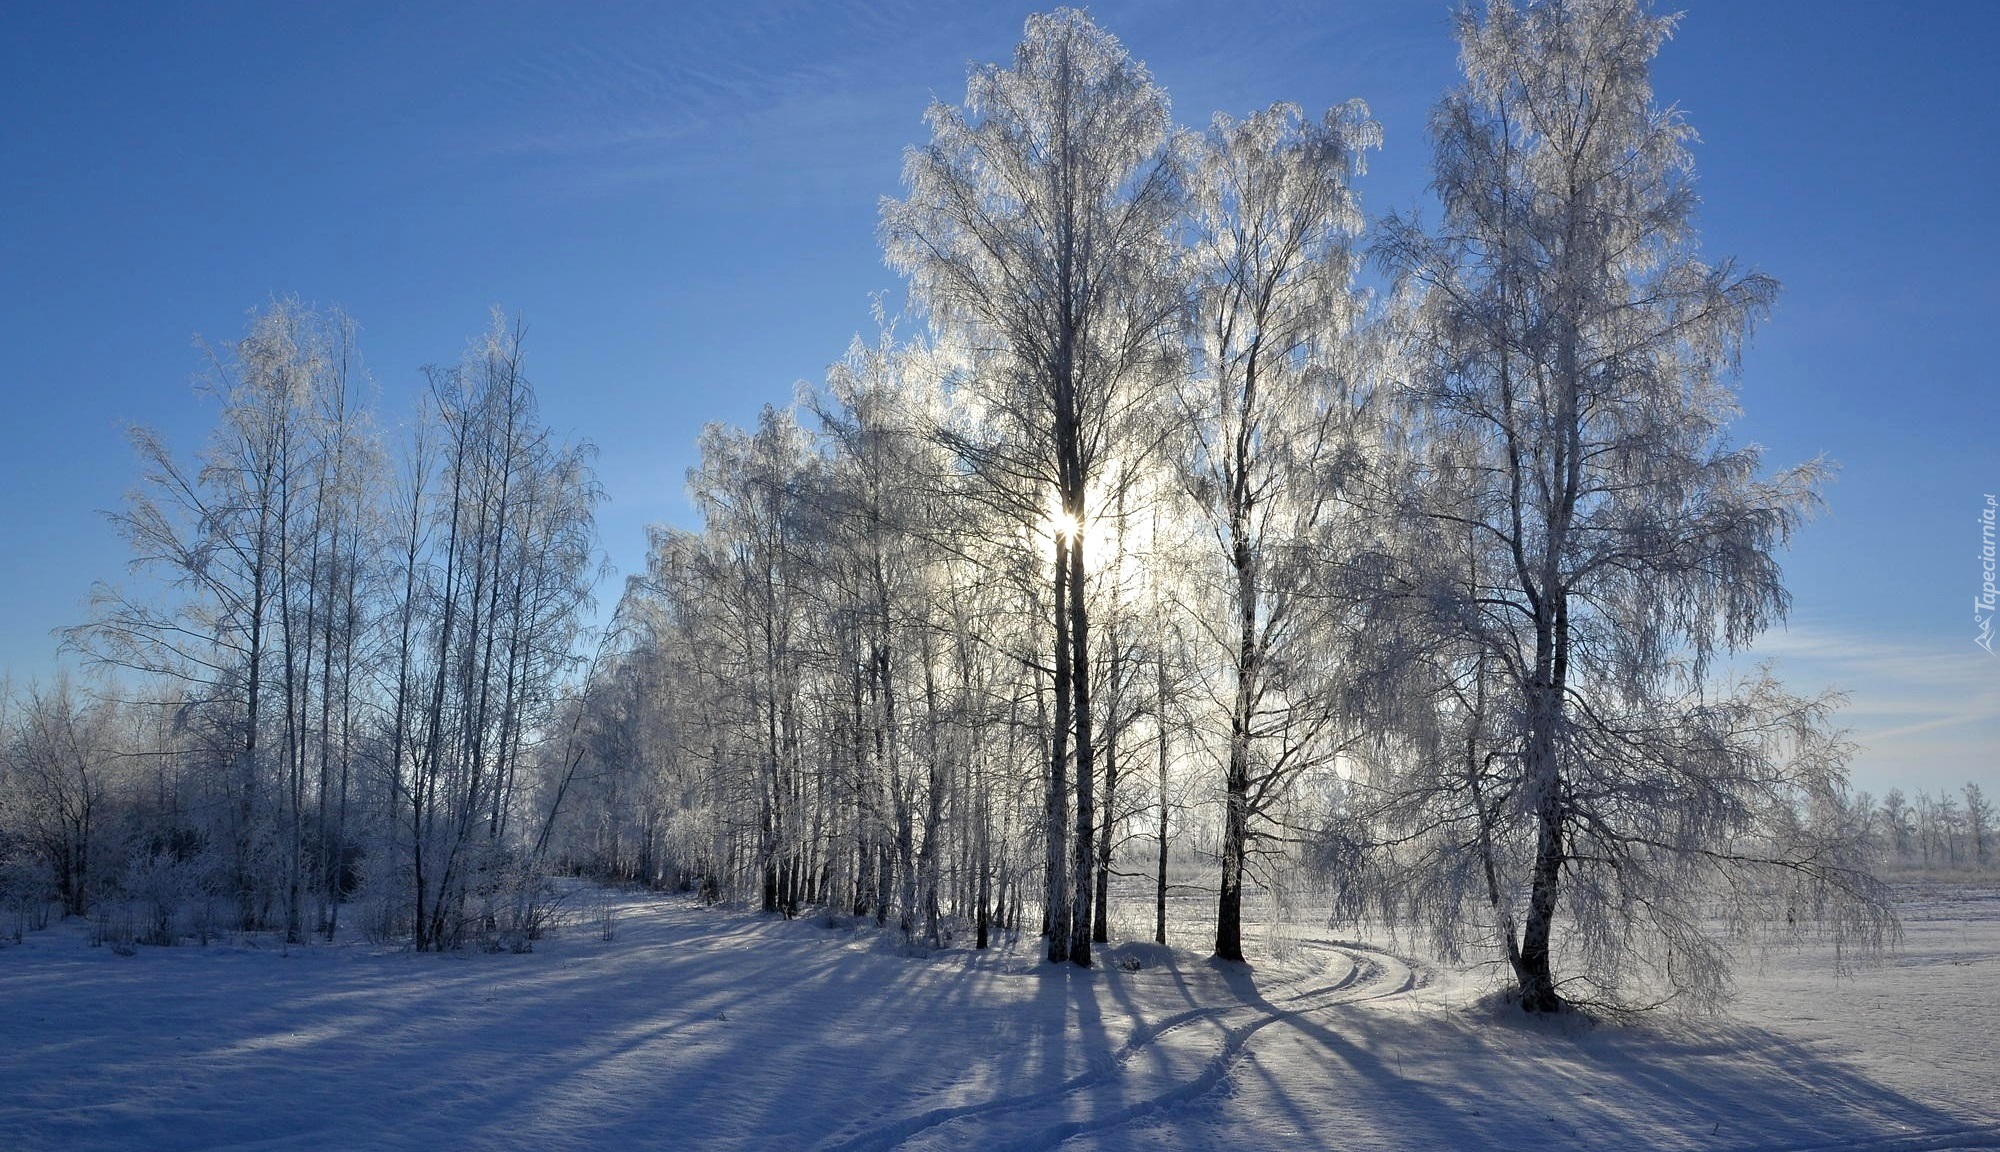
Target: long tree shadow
720	1030
1472	1079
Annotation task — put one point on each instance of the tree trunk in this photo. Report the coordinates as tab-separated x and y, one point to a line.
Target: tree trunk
1100	929
1086	784
1229	905
1056	895
1236	819
984	900
1534	972
1160	887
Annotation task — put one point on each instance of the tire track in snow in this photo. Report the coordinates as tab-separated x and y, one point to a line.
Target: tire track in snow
1385	974
1371	975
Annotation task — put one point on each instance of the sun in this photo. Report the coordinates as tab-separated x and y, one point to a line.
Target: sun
1099	540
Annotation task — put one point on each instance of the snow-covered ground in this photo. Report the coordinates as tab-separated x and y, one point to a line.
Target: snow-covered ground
698	1028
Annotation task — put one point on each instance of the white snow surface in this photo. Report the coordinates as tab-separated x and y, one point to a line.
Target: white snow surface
711	1028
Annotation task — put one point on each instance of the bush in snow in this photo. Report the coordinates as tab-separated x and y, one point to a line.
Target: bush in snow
27	888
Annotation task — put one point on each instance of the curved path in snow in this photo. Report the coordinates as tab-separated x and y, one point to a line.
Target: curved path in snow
1165	1063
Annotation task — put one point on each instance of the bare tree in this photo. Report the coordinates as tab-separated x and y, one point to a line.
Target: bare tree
1978	825
225	537
1897	825
60	755
489	625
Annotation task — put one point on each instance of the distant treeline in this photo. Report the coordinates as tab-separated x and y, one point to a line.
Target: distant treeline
339	671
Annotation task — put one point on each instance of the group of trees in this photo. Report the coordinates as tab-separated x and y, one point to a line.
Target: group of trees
1164	531
337	670
1930	831
1164	537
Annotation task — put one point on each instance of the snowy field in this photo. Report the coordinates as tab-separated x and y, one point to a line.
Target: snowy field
704	1028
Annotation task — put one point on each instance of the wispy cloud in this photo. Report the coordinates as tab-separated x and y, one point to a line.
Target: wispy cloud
663	92
676	89
1925	714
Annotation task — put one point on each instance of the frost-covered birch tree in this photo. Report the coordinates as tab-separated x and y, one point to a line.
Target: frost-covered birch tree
501	558
237	540
1039	218
1271	408
1574	393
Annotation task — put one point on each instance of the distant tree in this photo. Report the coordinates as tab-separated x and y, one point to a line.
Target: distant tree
1979	824
340	679
60	761
1572	357
872	499
1898	829
754	494
225	535
1949	826
502	556
1924	815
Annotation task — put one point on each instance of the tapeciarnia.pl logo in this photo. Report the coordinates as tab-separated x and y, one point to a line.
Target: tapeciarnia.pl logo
1984	603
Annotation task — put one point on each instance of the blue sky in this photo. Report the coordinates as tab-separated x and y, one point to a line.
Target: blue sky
680	199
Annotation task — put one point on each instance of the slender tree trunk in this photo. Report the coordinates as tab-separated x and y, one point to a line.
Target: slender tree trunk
253	720
1160	886
1100	928
336	886
934	802
432	906
1086	783
1056	896
864	855
1243	713
322	833
1236	815
294	708
984	900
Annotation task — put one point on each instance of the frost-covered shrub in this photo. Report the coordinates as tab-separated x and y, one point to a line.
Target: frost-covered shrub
27	888
115	923
174	895
521	904
380	903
